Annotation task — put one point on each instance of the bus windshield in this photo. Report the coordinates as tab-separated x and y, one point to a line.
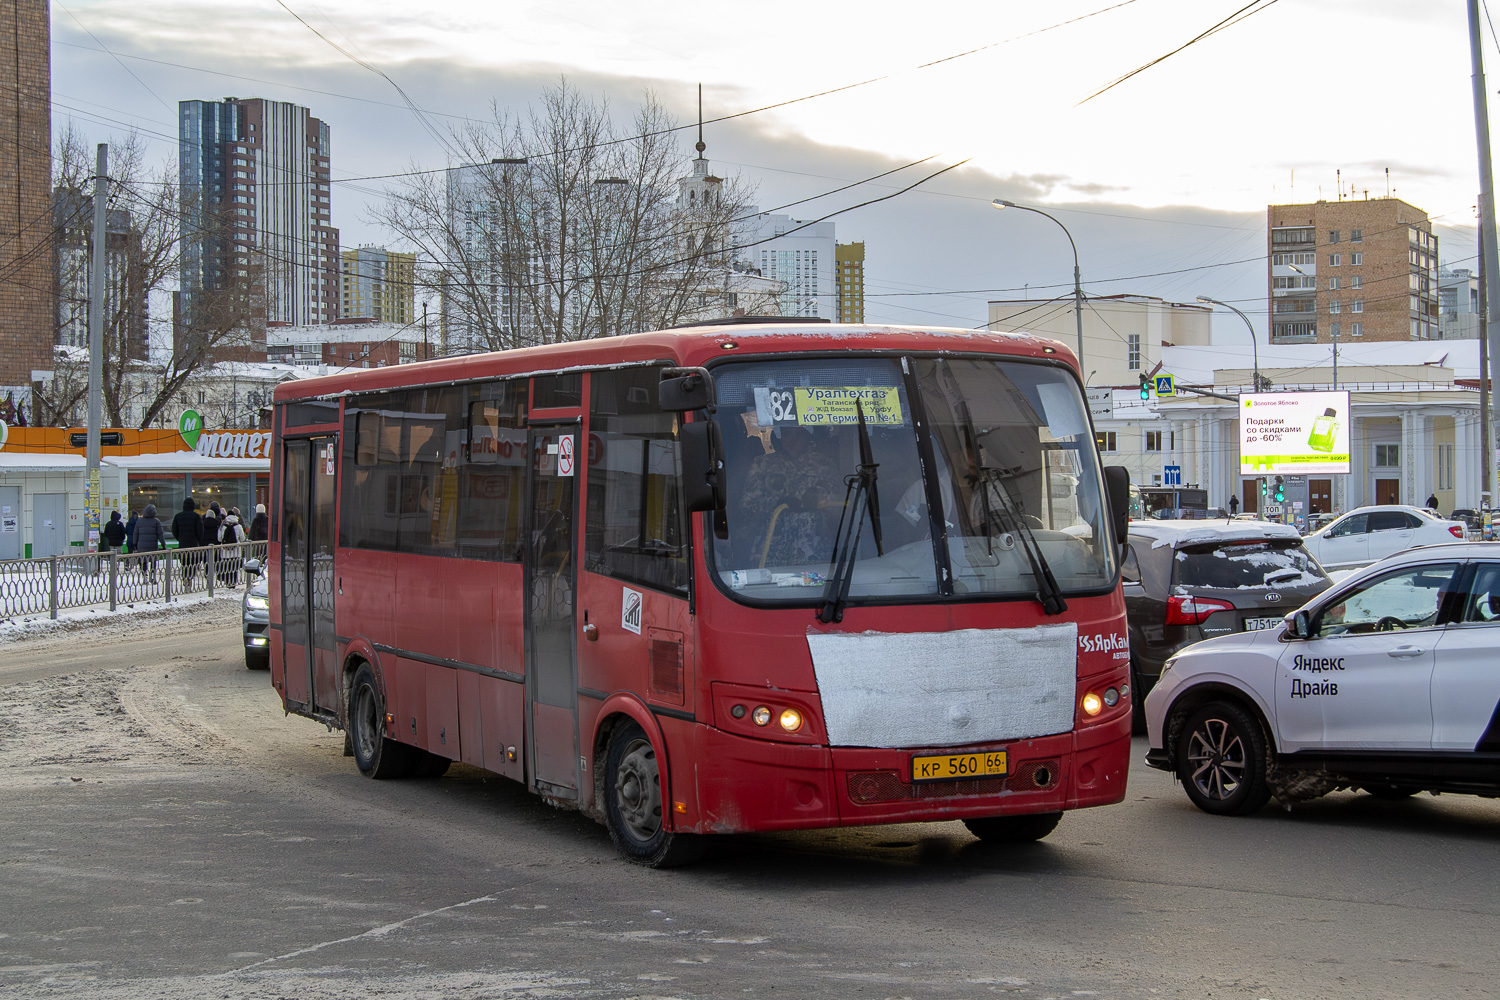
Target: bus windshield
1010	467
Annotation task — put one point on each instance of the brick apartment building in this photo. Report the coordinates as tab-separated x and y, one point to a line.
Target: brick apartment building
1356	270
27	313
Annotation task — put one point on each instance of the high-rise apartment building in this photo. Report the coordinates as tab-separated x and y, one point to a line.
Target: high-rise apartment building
27	314
124	297
1346	270
850	258
483	306
379	285
254	177
801	257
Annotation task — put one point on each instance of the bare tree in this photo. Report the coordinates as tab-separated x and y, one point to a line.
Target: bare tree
145	247
558	227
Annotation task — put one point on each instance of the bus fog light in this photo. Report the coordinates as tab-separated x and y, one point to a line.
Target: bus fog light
1111	697
791	720
738	711
761	716
1124	690
1092	705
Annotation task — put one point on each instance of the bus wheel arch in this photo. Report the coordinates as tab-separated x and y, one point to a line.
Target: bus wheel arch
632	790
374	753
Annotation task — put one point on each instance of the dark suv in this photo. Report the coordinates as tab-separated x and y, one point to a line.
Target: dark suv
1186	581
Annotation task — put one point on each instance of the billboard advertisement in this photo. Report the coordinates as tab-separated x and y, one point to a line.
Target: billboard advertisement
1294	432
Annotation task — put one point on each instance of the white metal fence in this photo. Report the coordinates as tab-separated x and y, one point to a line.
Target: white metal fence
55	583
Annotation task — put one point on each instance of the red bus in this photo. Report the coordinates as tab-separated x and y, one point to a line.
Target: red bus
715	579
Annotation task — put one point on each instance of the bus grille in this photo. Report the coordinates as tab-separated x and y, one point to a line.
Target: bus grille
887	786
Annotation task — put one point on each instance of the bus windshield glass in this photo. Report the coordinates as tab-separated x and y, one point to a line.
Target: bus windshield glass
1011	474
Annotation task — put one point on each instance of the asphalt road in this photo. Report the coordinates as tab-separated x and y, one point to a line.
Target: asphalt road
166	832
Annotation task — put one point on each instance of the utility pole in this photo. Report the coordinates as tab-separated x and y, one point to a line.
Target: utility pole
96	341
1487	243
1486	433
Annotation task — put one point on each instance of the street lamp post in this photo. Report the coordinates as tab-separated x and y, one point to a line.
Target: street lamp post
1077	284
1254	344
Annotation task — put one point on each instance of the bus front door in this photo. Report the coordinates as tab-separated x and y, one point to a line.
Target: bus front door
309	657
550	572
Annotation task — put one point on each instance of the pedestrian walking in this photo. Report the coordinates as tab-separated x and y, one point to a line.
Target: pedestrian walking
149	537
230	535
1234	505
260	525
114	532
1432	502
130	530
187	528
211	519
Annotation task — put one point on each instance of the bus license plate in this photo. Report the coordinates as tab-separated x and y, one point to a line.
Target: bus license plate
1256	624
950	767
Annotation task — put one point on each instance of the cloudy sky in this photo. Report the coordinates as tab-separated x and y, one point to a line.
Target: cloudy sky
1162	180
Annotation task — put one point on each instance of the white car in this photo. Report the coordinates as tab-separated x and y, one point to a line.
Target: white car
1370	533
1385	682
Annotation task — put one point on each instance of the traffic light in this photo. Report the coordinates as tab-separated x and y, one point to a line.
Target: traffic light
1263	489
1280	493
1145	387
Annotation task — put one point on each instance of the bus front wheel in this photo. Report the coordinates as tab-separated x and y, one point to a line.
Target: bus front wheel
1013	829
376	756
633	804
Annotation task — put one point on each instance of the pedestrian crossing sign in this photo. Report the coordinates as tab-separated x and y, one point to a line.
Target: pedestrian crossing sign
1166	386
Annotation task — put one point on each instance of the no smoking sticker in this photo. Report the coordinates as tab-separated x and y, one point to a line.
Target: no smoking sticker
565	455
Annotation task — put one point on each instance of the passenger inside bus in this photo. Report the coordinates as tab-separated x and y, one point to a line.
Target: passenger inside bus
793	497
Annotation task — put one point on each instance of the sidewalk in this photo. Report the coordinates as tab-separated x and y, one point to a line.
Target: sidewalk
20	628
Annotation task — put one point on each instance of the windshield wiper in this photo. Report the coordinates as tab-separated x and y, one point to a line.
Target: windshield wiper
860	496
984	478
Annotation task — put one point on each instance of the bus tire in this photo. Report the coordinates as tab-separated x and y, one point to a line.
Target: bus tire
374	755
1221	760
1013	829
633	804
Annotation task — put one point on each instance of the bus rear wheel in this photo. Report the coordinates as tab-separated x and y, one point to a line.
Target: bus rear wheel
376	756
1013	829
633	804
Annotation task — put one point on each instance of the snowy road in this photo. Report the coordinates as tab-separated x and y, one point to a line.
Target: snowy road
165	832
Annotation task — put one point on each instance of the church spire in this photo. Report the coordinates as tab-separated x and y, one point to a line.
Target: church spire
700	147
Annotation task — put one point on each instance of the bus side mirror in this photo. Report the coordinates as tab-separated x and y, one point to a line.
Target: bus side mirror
1117	488
702	465
684	389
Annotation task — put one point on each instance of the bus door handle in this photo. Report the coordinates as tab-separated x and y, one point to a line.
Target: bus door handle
591	633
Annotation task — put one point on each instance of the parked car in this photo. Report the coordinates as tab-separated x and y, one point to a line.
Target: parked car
1468	516
1186	581
1317	522
1385	682
255	619
1370	533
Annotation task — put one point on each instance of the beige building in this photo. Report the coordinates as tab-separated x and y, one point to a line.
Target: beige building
850	282
1123	335
1351	271
378	285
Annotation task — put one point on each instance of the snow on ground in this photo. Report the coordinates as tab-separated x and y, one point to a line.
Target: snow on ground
197	610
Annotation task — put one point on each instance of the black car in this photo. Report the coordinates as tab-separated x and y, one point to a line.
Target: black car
1186	581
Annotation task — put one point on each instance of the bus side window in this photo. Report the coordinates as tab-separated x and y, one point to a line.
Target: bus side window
492	471
635	528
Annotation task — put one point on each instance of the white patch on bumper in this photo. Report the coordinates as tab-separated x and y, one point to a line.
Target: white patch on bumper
930	689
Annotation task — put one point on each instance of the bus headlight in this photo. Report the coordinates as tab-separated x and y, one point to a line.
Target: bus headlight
791	720
1092	704
1112	697
761	716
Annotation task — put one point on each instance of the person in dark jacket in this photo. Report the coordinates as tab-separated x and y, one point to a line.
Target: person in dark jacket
260	525
135	516
212	518
187	528
149	537
231	533
114	532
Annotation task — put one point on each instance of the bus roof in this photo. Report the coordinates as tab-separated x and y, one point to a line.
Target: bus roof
688	346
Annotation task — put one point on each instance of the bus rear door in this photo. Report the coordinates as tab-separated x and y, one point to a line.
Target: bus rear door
550	572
